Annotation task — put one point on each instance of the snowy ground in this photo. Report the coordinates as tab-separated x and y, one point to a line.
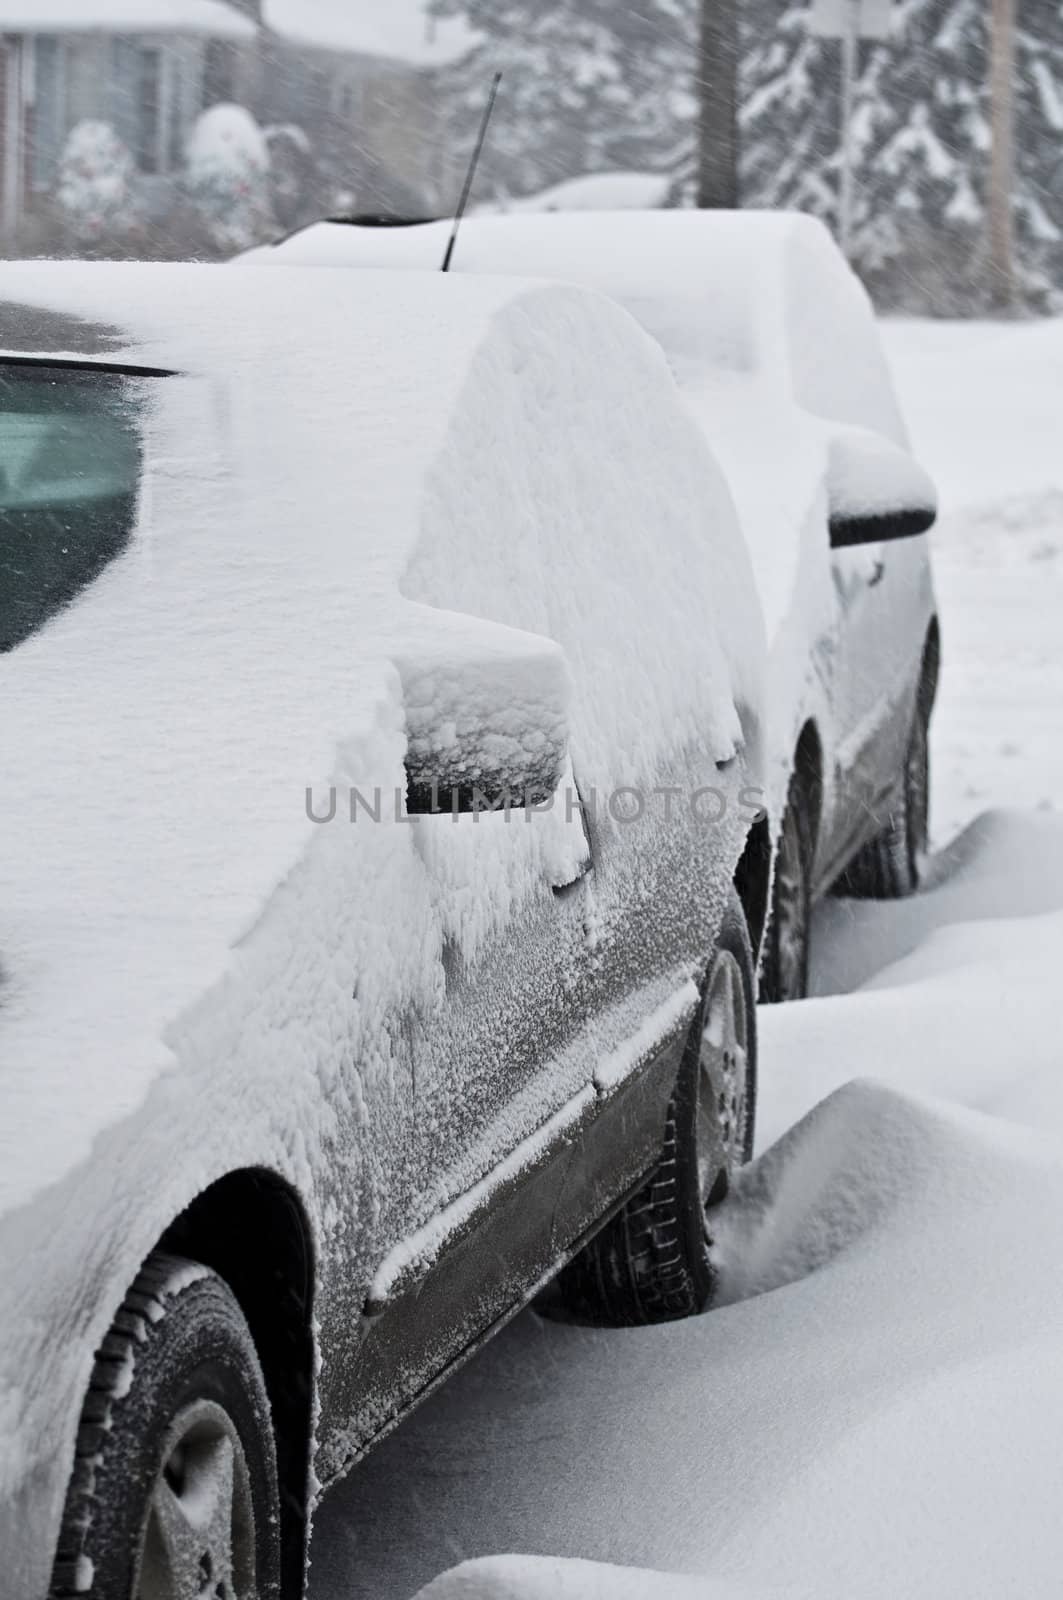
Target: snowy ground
984	405
876	1410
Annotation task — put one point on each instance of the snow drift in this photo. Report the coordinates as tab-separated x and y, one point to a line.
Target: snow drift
872	1409
983	403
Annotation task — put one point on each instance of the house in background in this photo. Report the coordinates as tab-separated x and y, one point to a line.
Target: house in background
147	67
359	78
355	79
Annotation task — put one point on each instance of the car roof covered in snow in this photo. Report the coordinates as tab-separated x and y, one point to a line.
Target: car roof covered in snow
594	191
194	317
745	292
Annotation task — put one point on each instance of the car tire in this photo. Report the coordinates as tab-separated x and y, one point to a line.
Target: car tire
890	866
651	1262
784	969
174	1484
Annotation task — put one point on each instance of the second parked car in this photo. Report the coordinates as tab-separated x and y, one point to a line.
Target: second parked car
774	345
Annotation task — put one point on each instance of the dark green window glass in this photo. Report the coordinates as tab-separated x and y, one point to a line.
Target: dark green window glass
70	470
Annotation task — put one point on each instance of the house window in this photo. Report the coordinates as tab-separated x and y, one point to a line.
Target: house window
219	73
137	101
47	123
149	99
343	99
123	78
175	115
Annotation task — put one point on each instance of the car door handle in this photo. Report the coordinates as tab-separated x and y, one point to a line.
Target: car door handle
877	575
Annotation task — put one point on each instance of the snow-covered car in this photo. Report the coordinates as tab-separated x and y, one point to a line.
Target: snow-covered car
313	1070
774	345
595	191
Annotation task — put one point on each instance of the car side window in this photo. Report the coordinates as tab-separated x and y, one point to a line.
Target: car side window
838	366
71	462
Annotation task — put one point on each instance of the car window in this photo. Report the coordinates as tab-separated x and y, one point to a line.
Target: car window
838	366
70	469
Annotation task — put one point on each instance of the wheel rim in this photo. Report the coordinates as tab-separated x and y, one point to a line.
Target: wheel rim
199	1530
723	1080
790	914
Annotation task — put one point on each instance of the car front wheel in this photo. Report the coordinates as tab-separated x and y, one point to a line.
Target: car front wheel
173	1494
651	1262
891	865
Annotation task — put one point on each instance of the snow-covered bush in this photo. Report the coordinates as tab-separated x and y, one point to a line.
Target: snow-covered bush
227	178
96	191
591	86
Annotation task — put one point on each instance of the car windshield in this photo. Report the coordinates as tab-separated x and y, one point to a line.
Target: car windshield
70	470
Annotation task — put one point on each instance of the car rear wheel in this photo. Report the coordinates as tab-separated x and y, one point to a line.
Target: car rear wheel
784	974
173	1495
891	865
651	1262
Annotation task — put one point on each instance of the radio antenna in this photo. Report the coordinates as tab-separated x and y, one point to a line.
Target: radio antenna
470	177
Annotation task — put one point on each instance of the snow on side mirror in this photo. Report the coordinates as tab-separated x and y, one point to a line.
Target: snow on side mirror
876	491
486	716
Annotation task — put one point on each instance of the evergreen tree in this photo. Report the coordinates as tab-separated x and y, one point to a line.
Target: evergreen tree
921	141
596	85
590	86
1039	135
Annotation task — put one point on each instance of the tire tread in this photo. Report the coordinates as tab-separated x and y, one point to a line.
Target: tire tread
141	1319
649	1264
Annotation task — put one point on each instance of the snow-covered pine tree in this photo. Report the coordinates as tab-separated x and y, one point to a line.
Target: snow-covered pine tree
919	120
921	143
1039	134
593	85
590	86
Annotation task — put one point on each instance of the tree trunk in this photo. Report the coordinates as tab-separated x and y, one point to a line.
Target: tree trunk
718	99
1002	286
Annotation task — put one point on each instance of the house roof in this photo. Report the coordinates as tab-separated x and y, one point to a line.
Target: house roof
211	17
395	30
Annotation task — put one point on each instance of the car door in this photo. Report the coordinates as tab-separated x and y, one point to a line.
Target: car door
838	373
883	604
865	583
565	1006
542	1076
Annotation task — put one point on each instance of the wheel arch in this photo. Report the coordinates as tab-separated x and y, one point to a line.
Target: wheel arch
752	880
808	774
755	870
250	1227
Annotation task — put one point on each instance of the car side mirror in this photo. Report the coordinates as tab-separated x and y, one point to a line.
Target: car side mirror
876	491
487	715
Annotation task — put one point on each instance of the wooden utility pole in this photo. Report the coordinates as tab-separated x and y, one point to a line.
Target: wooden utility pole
847	177
1002	286
718	101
